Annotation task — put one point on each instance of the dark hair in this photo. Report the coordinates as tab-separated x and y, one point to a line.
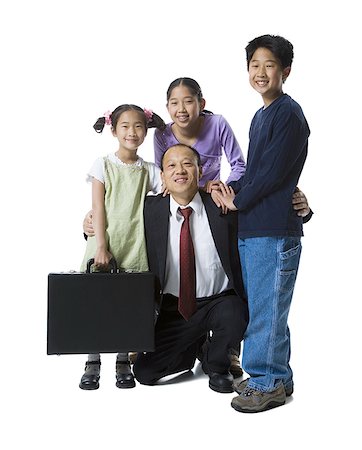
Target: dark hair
196	153
193	87
279	46
154	122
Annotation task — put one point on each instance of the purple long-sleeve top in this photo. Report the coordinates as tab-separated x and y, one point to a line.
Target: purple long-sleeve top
216	135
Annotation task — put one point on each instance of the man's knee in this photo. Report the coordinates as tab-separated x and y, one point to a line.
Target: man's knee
230	309
231	316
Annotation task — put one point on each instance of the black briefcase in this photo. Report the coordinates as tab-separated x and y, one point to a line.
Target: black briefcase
100	312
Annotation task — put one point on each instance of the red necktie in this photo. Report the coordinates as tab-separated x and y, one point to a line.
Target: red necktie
187	294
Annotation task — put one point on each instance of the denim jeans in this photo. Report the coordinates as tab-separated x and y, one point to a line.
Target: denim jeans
269	266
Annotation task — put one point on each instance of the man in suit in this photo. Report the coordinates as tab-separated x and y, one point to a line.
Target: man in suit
219	304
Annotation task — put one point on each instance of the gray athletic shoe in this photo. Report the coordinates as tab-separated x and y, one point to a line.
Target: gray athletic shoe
252	401
239	386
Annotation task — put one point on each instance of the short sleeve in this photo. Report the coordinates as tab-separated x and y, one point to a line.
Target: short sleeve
96	171
154	183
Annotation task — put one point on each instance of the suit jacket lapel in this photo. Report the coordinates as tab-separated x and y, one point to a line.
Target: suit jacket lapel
161	218
220	232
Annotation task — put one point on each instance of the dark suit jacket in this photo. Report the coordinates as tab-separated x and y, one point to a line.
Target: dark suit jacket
224	228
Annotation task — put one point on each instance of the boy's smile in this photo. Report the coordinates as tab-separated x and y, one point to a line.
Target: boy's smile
266	75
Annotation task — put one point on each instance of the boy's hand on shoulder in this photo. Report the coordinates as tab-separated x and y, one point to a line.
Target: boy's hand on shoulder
227	196
215	195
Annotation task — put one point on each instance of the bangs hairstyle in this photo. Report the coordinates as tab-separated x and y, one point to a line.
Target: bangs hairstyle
192	85
281	48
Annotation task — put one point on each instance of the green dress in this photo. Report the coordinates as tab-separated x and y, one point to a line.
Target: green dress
125	191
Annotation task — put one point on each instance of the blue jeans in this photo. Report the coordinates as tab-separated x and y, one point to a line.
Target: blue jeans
269	266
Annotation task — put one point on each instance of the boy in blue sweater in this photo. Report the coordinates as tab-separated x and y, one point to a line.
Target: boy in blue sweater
269	229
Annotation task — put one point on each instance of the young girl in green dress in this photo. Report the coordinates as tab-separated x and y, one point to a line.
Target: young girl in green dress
120	182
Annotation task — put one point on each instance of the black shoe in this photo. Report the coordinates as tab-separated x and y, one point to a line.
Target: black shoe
124	375
221	382
90	378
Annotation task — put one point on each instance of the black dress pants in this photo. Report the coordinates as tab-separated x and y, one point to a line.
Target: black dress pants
177	340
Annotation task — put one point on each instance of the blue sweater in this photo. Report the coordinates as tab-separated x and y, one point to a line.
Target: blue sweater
277	152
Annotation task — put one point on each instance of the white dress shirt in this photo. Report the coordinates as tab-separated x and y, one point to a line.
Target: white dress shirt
211	278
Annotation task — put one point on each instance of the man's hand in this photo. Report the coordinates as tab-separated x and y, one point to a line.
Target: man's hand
88	224
300	203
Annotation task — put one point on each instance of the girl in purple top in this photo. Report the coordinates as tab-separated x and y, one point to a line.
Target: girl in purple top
208	133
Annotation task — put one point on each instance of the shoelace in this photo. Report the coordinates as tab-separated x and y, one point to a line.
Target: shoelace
248	391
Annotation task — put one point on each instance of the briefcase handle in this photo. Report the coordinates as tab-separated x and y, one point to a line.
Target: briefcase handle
112	264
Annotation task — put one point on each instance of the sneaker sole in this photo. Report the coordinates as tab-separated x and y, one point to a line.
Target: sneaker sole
270	405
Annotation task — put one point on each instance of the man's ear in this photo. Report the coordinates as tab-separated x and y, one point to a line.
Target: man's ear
286	72
162	178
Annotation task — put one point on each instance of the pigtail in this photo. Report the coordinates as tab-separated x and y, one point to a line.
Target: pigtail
155	121
99	125
151	120
206	112
106	119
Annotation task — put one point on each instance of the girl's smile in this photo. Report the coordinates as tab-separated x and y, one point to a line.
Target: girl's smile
130	132
183	107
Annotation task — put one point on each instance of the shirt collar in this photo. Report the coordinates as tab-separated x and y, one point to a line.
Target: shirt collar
196	204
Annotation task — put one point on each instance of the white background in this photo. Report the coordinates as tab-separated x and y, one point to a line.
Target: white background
63	63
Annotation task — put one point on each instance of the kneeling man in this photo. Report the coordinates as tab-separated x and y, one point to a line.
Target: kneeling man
192	249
